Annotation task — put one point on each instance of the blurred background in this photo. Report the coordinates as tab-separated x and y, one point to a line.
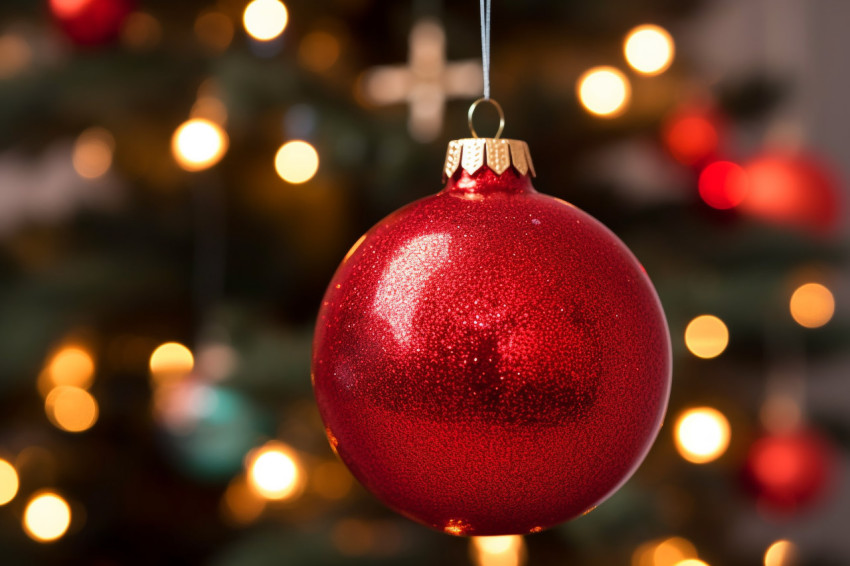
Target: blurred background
179	180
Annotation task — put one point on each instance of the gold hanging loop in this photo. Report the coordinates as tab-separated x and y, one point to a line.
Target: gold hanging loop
498	108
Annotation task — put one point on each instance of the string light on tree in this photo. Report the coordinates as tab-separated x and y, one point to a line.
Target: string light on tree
426	83
664	552
169	361
723	185
274	472
649	49
702	435
92	153
198	144
812	305
296	162
9	482
47	517
706	336
507	550
265	20
604	91
781	553
71	409
70	365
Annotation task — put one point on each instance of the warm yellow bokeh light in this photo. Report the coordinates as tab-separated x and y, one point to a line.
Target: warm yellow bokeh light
170	360
273	472
47	517
706	336
198	144
664	552
780	553
70	408
296	162
319	50
265	19
702	435
72	366
691	562
8	482
92	154
604	91
508	550
240	505
812	305
649	49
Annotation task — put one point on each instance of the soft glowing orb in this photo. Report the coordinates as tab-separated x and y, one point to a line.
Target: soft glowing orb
319	50
296	162
706	336
92	155
691	138
702	435
72	366
723	185
604	91
649	49
47	517
780	553
691	562
8	482
265	19
71	409
273	472
170	360
198	144
812	305
508	550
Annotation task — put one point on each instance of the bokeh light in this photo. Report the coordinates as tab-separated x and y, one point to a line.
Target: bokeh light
649	49
141	31
9	482
239	504
274	472
723	185
71	409
604	91
296	162
15	55
170	360
265	19
47	517
702	435
214	30
508	550
691	137
812	305
198	144
781	553
70	365
663	552
92	154
691	562
318	51
706	336
331	480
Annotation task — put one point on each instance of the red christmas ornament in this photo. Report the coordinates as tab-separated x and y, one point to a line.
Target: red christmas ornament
792	189
788	472
491	360
91	22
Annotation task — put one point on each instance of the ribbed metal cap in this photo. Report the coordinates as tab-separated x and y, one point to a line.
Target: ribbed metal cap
471	154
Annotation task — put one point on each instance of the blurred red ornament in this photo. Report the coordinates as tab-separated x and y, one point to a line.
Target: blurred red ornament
91	22
723	185
791	471
792	189
491	360
692	134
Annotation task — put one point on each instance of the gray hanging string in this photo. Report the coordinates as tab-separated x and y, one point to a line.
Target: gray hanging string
485	46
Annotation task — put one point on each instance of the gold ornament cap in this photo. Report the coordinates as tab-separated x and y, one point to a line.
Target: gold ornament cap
471	154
